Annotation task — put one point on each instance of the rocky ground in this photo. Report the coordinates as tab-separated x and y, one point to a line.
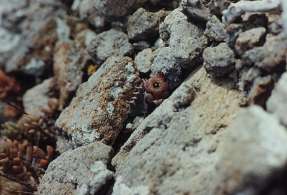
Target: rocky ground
143	97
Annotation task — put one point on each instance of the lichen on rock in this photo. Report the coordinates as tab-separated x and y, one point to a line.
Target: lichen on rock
101	106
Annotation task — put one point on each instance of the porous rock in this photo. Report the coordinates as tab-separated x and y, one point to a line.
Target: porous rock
269	56
36	35
173	151
261	90
249	150
102	104
68	64
196	10
249	39
108	43
100	12
37	98
219	60
277	103
166	62
184	43
144	25
144	59
202	158
215	30
76	170
184	38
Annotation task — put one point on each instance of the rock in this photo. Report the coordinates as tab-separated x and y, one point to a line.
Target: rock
99	12
247	77
277	103
270	56
68	64
261	90
248	137
144	25
184	45
215	30
35	36
219	60
8	42
108	43
184	38
79	169
195	10
37	98
102	104
249	39
143	60
165	62
173	151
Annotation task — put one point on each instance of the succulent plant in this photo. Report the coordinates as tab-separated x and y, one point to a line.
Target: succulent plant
24	162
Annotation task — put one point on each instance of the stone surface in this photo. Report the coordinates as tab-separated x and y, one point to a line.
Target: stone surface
277	103
219	60
184	43
173	149
184	38
37	98
144	59
196	10
215	30
270	56
176	152
250	149
108	43
100	12
32	29
80	171
68	64
249	39
247	77
261	90
144	25
102	104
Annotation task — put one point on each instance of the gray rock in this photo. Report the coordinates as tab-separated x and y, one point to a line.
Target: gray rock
76	170
165	61
277	103
195	10
177	152
215	30
184	38
249	39
271	55
34	67
249	149
68	64
173	149
144	25
99	12
261	90
247	76
219	60
184	45
102	104
143	60
108	43
8	40
37	98
30	50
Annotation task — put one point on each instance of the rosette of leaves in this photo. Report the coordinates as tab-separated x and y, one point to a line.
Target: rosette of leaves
23	162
